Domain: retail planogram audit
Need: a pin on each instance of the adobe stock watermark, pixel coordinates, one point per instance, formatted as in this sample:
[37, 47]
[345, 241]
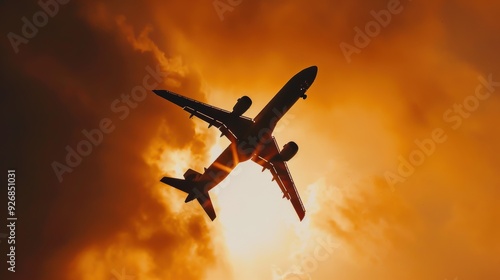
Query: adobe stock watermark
[363, 37]
[454, 117]
[284, 122]
[94, 137]
[308, 262]
[223, 6]
[30, 28]
[122, 275]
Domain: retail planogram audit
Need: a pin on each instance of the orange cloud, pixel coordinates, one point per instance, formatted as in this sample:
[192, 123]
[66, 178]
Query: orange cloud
[111, 217]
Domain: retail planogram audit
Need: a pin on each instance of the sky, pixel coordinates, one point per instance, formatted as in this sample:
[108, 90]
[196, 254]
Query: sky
[398, 139]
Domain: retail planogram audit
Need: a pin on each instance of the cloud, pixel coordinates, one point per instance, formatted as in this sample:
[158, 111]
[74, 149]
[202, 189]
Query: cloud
[111, 215]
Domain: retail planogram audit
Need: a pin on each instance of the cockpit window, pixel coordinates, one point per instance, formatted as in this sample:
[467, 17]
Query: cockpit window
[304, 86]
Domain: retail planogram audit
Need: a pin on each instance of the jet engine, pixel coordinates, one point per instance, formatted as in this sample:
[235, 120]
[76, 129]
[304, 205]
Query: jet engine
[289, 150]
[242, 105]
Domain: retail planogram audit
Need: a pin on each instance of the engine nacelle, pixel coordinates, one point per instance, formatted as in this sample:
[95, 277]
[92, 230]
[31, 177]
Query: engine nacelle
[289, 150]
[242, 105]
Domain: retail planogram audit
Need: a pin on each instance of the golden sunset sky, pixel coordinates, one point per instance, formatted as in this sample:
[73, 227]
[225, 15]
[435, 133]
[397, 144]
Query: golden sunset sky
[398, 139]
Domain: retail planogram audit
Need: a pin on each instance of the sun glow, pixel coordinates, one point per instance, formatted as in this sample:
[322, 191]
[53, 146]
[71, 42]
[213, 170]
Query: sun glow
[259, 228]
[251, 209]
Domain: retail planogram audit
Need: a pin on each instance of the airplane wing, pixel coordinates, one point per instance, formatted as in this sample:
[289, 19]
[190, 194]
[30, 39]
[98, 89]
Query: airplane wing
[230, 125]
[281, 175]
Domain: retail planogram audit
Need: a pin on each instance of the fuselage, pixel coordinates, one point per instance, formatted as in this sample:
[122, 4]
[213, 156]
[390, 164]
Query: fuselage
[260, 133]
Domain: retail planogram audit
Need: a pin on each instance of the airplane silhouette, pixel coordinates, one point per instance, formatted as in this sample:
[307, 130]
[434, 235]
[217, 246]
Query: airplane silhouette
[250, 139]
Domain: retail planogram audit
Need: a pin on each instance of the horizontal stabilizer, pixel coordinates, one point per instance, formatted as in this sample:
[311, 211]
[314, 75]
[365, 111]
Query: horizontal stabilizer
[179, 184]
[194, 190]
[206, 203]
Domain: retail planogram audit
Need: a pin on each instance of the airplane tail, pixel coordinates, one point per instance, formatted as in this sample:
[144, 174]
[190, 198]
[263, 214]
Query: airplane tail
[194, 189]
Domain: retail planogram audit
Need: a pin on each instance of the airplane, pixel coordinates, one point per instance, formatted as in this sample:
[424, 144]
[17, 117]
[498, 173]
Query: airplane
[250, 139]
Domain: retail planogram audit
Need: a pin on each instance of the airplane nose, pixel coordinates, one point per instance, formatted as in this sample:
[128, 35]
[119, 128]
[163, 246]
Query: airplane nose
[308, 73]
[313, 70]
[307, 77]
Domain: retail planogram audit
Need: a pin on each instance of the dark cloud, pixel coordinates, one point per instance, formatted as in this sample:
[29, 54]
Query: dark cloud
[63, 81]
